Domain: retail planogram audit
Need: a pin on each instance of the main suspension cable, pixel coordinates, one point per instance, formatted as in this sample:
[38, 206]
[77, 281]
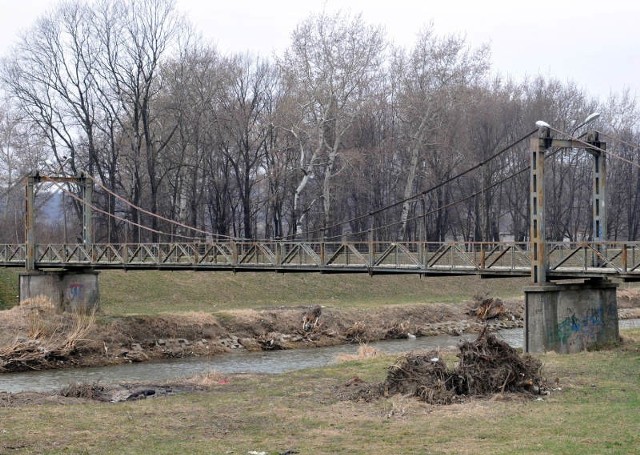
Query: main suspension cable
[428, 190]
[160, 217]
[112, 215]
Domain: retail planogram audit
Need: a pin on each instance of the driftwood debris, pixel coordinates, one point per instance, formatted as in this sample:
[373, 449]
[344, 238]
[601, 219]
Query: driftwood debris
[487, 366]
[424, 375]
[311, 318]
[485, 308]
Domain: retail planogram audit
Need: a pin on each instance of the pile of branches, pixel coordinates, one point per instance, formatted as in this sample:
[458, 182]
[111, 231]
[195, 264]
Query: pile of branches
[487, 366]
[424, 375]
[90, 391]
[485, 308]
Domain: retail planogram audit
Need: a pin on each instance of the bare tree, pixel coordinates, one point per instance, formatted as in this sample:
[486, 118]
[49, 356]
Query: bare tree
[141, 36]
[21, 152]
[430, 82]
[330, 65]
[244, 115]
[492, 124]
[280, 165]
[49, 76]
[86, 76]
[194, 82]
[623, 179]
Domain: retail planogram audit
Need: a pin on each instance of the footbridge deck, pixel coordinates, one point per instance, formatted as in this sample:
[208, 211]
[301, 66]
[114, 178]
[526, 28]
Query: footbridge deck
[567, 260]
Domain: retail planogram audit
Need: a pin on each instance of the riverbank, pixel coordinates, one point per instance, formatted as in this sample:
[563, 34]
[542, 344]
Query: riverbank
[591, 393]
[35, 337]
[161, 315]
[31, 335]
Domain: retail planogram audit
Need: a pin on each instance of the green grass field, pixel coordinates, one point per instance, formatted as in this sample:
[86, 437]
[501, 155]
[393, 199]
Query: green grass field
[153, 292]
[8, 288]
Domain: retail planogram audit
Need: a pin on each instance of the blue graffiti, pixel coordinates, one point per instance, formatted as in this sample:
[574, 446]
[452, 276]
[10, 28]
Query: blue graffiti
[568, 327]
[75, 291]
[583, 330]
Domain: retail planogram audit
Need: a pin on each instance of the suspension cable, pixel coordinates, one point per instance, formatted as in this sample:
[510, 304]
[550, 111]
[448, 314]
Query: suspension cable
[618, 139]
[112, 215]
[160, 217]
[456, 202]
[428, 190]
[446, 206]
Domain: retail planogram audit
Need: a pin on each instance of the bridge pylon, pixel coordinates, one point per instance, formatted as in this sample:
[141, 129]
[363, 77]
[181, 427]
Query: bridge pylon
[75, 290]
[567, 317]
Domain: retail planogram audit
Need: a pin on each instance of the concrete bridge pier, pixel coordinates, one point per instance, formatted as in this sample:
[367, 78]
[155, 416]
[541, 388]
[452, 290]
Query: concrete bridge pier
[75, 291]
[569, 318]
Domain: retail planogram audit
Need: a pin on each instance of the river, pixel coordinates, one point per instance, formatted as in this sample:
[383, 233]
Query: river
[271, 362]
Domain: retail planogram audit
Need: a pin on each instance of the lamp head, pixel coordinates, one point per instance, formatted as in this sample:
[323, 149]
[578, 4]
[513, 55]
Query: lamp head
[592, 117]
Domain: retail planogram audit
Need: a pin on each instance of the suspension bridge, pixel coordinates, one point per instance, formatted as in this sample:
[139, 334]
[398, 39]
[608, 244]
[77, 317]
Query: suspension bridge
[70, 270]
[541, 259]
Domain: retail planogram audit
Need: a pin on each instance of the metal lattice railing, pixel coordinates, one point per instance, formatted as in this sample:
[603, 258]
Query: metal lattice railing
[488, 258]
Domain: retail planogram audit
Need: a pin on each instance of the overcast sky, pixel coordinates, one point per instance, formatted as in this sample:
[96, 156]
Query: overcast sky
[596, 44]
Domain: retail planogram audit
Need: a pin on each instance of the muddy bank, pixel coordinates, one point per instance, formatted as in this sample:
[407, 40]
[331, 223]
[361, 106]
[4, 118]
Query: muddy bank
[82, 393]
[75, 393]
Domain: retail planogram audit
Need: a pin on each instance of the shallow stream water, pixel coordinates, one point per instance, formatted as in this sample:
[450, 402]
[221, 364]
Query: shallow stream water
[272, 362]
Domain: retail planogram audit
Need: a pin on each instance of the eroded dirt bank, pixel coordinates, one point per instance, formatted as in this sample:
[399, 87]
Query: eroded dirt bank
[36, 337]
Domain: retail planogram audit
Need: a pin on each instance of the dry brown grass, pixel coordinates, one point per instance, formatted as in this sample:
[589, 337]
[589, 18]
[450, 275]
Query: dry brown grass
[206, 379]
[35, 312]
[41, 334]
[78, 329]
[192, 317]
[364, 352]
[628, 297]
[26, 318]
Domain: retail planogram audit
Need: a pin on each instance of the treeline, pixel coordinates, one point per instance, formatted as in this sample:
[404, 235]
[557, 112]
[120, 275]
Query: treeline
[331, 139]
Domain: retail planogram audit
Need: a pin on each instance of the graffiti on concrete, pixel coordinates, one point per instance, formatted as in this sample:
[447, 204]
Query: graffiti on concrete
[75, 292]
[582, 331]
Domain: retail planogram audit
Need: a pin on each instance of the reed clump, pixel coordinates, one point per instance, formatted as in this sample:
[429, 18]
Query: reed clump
[43, 335]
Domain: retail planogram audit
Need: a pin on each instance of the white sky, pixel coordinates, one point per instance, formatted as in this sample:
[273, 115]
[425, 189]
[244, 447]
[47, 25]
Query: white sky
[596, 44]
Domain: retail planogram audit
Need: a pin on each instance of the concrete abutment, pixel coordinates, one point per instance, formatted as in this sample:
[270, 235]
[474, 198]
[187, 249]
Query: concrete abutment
[68, 290]
[569, 318]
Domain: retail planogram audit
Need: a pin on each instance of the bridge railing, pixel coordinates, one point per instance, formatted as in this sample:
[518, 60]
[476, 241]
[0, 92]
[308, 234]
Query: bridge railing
[464, 257]
[13, 253]
[280, 254]
[620, 257]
